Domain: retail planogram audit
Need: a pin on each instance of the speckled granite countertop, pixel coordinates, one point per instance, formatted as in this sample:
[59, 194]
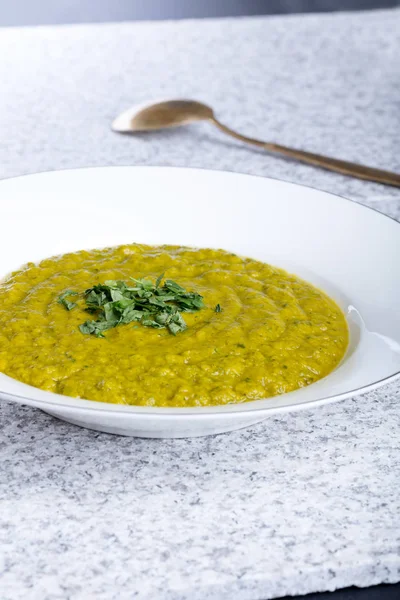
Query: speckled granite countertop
[303, 502]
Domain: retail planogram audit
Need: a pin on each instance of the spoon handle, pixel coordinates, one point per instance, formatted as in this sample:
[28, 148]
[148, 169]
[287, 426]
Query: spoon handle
[318, 160]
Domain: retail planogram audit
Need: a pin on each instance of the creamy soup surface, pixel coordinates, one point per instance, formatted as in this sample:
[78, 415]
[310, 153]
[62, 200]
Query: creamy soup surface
[261, 332]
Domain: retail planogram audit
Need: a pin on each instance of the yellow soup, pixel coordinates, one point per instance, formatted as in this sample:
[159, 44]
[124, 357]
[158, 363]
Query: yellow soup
[272, 333]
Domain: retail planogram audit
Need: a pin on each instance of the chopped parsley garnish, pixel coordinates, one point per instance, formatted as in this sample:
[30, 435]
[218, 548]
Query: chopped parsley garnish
[117, 302]
[218, 308]
[63, 299]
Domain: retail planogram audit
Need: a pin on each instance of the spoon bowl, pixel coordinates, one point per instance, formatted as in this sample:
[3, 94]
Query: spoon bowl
[162, 115]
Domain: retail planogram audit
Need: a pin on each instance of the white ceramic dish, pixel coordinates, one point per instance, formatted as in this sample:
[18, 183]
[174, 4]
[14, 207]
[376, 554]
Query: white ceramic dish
[350, 251]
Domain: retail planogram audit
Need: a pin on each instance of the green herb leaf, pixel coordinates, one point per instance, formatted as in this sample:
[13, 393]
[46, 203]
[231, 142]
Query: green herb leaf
[174, 287]
[176, 324]
[63, 299]
[96, 327]
[159, 280]
[149, 322]
[218, 308]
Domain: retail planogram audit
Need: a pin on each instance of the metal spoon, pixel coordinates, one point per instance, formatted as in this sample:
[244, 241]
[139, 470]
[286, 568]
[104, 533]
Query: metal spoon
[174, 113]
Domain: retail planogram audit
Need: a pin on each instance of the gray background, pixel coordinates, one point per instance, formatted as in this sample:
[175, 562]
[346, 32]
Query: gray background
[34, 12]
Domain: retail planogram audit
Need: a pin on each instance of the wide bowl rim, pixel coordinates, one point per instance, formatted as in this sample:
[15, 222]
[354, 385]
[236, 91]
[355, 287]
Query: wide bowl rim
[248, 408]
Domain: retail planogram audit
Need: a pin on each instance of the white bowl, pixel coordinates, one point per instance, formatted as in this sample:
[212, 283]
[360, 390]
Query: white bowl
[350, 251]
